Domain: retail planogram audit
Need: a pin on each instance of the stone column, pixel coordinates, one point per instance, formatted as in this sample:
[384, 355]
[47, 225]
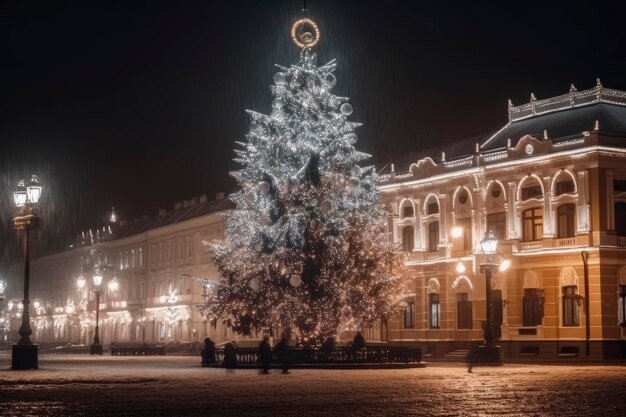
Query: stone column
[443, 224]
[610, 209]
[419, 227]
[548, 229]
[582, 183]
[479, 217]
[512, 214]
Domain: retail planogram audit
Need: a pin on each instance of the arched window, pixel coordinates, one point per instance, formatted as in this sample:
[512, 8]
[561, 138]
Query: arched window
[433, 236]
[407, 239]
[463, 196]
[532, 224]
[432, 207]
[571, 309]
[565, 186]
[407, 211]
[565, 220]
[434, 305]
[434, 308]
[531, 189]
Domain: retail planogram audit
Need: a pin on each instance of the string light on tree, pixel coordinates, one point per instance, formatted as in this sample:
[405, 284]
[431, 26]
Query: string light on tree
[305, 248]
[305, 33]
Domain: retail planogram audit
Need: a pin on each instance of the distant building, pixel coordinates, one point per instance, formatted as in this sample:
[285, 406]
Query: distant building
[149, 259]
[550, 184]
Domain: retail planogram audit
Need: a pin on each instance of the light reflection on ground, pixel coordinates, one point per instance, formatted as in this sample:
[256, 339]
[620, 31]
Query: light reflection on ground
[103, 386]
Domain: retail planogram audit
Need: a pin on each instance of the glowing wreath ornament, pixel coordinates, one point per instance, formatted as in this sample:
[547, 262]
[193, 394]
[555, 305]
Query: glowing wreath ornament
[305, 33]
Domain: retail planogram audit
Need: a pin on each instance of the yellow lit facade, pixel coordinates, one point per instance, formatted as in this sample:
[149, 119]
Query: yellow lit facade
[551, 184]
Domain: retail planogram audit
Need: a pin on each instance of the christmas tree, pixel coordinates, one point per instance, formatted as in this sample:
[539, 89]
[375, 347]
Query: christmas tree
[305, 248]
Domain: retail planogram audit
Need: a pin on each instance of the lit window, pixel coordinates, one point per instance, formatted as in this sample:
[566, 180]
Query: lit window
[407, 239]
[434, 310]
[571, 313]
[466, 225]
[565, 220]
[409, 315]
[532, 222]
[565, 187]
[496, 222]
[621, 306]
[532, 191]
[464, 311]
[532, 306]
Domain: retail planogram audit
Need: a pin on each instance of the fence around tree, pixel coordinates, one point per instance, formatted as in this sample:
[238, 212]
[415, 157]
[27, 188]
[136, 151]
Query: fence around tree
[339, 355]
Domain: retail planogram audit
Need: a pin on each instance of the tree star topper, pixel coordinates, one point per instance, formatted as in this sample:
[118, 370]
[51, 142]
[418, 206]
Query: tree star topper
[305, 33]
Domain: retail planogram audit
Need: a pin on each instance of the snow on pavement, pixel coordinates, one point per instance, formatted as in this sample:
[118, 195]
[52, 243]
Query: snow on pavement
[81, 385]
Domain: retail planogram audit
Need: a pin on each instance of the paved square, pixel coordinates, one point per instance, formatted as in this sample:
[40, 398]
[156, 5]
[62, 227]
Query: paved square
[79, 385]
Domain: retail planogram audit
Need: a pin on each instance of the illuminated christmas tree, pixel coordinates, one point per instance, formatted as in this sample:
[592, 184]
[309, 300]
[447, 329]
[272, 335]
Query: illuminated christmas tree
[305, 248]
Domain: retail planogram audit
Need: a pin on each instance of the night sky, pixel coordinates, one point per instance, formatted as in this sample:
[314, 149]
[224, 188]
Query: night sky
[138, 104]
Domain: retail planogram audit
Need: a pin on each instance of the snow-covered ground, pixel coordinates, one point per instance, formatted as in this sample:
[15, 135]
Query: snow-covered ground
[80, 385]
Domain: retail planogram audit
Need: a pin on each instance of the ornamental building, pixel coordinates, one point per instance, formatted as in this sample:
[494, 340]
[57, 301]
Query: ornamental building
[550, 184]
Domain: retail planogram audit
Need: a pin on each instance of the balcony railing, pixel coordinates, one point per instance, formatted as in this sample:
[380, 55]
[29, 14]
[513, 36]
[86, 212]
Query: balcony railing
[373, 354]
[621, 241]
[532, 245]
[568, 241]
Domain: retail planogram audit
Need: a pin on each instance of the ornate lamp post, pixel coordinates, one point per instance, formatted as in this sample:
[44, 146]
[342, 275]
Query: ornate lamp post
[26, 197]
[96, 347]
[489, 353]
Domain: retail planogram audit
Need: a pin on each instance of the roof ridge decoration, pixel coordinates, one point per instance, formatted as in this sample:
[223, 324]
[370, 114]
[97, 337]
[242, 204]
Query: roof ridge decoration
[573, 99]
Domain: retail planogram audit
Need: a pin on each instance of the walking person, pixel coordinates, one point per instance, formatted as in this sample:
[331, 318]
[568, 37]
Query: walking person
[473, 357]
[265, 354]
[358, 343]
[230, 356]
[208, 354]
[283, 353]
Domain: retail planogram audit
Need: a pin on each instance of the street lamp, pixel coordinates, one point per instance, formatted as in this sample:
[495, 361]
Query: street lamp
[489, 353]
[96, 347]
[24, 354]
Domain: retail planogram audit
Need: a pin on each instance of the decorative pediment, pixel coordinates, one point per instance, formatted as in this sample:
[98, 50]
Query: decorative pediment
[462, 284]
[433, 286]
[528, 145]
[531, 280]
[424, 167]
[568, 277]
